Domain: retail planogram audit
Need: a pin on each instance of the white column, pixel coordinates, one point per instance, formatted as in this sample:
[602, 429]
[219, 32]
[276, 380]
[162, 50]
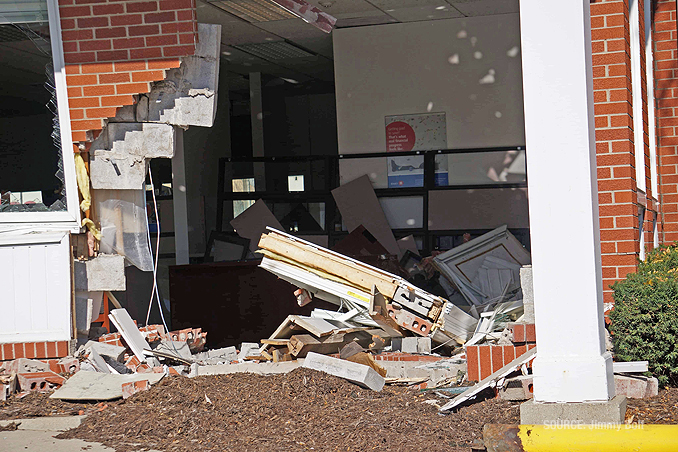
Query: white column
[257, 118]
[571, 363]
[179, 200]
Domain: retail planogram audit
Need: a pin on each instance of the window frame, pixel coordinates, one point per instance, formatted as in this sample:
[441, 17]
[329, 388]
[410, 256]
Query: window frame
[69, 219]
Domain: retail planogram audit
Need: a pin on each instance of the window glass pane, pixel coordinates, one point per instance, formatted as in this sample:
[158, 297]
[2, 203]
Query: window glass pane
[31, 166]
[245, 185]
[405, 212]
[480, 168]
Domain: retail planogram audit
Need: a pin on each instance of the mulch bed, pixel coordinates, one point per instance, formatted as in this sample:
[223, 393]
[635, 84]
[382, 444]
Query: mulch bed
[302, 410]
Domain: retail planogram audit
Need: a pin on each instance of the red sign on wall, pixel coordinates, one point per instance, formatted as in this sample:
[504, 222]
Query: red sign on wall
[400, 137]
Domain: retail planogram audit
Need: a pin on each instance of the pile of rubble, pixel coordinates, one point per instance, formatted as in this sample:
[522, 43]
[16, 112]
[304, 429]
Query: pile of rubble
[386, 329]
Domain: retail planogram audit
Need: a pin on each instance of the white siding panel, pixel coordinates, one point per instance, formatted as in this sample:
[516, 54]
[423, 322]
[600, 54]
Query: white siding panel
[35, 292]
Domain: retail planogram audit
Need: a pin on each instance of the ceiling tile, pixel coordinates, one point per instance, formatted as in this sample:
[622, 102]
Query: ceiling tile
[485, 7]
[386, 5]
[361, 21]
[335, 7]
[292, 29]
[233, 30]
[422, 13]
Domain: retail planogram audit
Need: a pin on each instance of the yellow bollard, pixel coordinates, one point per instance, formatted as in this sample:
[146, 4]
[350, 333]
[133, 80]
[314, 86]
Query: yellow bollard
[581, 438]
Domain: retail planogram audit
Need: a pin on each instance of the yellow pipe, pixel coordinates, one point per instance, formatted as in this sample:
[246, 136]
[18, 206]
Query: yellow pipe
[602, 437]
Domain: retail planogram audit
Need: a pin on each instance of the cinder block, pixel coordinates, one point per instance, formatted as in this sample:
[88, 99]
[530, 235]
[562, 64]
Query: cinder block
[424, 345]
[410, 345]
[359, 374]
[68, 365]
[39, 381]
[23, 365]
[518, 388]
[635, 387]
[106, 272]
[248, 349]
[132, 387]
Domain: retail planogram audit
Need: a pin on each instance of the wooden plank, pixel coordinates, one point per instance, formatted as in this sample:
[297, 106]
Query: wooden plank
[283, 342]
[317, 327]
[301, 344]
[361, 275]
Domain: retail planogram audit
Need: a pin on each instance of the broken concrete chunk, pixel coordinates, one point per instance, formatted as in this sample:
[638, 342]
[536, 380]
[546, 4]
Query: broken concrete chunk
[98, 386]
[188, 95]
[517, 389]
[132, 387]
[357, 373]
[424, 345]
[177, 348]
[113, 351]
[106, 272]
[96, 361]
[23, 365]
[248, 349]
[409, 345]
[635, 387]
[39, 381]
[129, 331]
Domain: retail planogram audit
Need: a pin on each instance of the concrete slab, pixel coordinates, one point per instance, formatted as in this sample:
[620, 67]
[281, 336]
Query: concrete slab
[357, 373]
[178, 348]
[98, 386]
[41, 441]
[250, 367]
[46, 423]
[612, 412]
[112, 351]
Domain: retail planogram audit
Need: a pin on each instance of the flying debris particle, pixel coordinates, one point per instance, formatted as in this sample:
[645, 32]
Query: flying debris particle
[513, 51]
[462, 34]
[477, 55]
[429, 107]
[497, 114]
[226, 53]
[487, 79]
[454, 59]
[473, 41]
[441, 8]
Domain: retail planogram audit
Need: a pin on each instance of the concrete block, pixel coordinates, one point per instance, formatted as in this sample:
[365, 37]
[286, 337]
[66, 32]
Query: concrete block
[23, 365]
[112, 351]
[98, 386]
[84, 305]
[188, 95]
[39, 381]
[116, 172]
[612, 411]
[178, 348]
[106, 272]
[248, 349]
[132, 387]
[635, 387]
[266, 368]
[226, 352]
[518, 388]
[68, 365]
[410, 345]
[528, 293]
[357, 373]
[141, 139]
[396, 344]
[424, 345]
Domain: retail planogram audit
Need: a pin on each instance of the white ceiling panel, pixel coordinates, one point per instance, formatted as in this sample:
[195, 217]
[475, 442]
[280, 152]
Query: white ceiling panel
[233, 30]
[485, 7]
[361, 21]
[421, 13]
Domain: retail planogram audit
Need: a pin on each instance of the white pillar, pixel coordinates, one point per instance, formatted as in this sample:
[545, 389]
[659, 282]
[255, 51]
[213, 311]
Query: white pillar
[179, 201]
[257, 118]
[572, 364]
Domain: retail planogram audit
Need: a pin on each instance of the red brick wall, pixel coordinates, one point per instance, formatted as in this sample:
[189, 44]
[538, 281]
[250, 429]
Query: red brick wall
[618, 195]
[115, 49]
[33, 350]
[666, 93]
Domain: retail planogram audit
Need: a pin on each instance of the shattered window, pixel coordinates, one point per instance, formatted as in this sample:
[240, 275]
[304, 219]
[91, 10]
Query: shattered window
[31, 164]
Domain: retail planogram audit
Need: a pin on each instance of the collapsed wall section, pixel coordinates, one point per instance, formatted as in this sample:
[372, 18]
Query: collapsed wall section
[115, 50]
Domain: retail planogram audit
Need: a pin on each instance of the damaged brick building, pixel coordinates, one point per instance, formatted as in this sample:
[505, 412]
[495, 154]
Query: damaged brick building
[140, 77]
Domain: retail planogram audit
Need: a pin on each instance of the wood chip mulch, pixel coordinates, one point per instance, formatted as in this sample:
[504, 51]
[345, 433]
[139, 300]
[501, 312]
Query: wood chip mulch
[302, 410]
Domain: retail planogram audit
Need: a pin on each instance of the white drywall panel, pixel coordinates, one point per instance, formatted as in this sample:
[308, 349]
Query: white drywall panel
[468, 68]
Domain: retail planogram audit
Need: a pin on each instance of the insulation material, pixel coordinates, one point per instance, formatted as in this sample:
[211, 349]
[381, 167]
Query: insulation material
[83, 182]
[124, 226]
[359, 205]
